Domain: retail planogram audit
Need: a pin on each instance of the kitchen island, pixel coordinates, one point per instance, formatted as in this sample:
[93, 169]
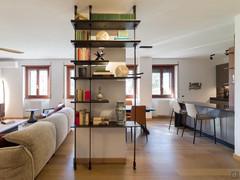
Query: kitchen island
[224, 122]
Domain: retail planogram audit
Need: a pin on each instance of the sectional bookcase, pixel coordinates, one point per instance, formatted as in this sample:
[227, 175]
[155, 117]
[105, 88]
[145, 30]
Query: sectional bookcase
[91, 25]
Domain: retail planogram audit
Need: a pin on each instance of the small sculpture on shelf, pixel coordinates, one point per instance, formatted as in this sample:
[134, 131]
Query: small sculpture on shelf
[121, 71]
[100, 55]
[120, 112]
[99, 94]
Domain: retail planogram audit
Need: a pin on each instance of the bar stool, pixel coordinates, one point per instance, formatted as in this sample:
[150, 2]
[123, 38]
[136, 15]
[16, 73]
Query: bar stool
[177, 109]
[192, 112]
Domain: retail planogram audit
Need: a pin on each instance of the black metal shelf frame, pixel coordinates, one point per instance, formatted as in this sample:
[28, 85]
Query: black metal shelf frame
[91, 25]
[105, 24]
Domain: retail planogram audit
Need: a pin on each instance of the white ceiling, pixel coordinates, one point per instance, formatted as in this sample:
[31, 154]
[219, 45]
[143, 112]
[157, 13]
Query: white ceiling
[176, 28]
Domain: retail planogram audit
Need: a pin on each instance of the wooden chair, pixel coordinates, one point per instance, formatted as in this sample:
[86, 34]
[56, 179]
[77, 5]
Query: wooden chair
[140, 118]
[192, 112]
[128, 102]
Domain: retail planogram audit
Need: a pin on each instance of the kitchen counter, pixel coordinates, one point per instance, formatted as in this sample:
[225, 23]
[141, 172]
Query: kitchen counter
[221, 99]
[224, 122]
[212, 106]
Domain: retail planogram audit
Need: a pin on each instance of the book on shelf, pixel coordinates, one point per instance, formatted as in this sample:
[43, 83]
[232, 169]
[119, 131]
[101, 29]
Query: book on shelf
[82, 35]
[82, 117]
[102, 73]
[83, 95]
[87, 96]
[82, 54]
[77, 121]
[100, 121]
[121, 38]
[104, 16]
[79, 95]
[122, 35]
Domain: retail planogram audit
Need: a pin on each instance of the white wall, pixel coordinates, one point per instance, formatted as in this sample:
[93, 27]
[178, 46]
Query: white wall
[14, 79]
[237, 85]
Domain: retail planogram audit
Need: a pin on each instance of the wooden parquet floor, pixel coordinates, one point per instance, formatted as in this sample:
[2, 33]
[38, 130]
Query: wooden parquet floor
[166, 156]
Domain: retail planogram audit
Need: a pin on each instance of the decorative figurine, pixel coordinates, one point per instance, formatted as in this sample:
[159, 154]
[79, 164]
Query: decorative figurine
[100, 55]
[99, 95]
[120, 112]
[121, 71]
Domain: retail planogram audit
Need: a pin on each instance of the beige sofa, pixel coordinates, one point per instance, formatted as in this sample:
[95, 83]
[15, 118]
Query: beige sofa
[36, 145]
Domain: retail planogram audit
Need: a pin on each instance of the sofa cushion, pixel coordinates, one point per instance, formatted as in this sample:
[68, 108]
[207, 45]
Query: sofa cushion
[39, 139]
[70, 116]
[16, 163]
[60, 122]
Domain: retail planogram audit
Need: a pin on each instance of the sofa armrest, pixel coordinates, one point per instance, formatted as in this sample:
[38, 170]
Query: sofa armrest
[16, 163]
[39, 139]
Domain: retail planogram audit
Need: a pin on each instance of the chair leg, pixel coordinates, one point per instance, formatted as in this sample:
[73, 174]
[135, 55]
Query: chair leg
[201, 129]
[195, 130]
[170, 120]
[214, 126]
[183, 130]
[184, 125]
[177, 130]
[146, 137]
[126, 134]
[131, 134]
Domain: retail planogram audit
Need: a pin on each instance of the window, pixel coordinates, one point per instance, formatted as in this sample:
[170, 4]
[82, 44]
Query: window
[70, 82]
[37, 82]
[130, 83]
[163, 81]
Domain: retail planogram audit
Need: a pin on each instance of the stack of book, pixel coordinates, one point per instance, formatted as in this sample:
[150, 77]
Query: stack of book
[100, 121]
[82, 118]
[122, 35]
[83, 95]
[97, 16]
[103, 73]
[82, 54]
[82, 35]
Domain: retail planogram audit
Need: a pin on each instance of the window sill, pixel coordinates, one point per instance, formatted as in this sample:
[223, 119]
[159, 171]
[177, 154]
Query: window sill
[37, 99]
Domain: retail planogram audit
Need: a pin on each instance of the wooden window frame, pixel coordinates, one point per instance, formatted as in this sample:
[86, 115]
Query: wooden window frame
[68, 79]
[172, 70]
[131, 67]
[37, 68]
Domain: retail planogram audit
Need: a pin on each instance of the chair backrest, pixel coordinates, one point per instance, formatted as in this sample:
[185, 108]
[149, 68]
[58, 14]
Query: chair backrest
[140, 114]
[176, 107]
[191, 110]
[171, 104]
